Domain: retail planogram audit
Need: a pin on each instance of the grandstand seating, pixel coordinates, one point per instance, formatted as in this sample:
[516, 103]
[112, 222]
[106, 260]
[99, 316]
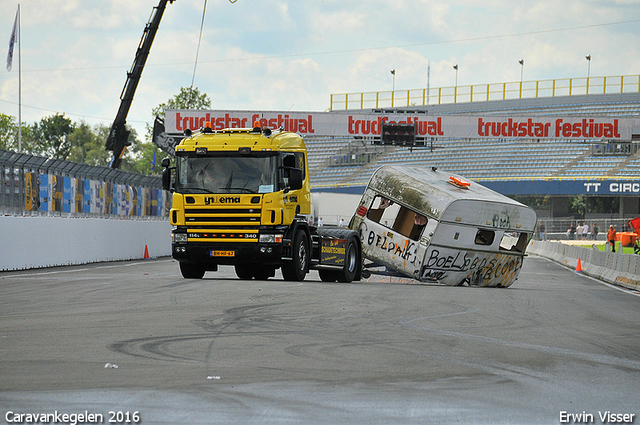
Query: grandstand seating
[490, 158]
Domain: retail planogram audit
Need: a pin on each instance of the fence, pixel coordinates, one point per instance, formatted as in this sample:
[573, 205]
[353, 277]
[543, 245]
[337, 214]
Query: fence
[486, 92]
[558, 228]
[33, 186]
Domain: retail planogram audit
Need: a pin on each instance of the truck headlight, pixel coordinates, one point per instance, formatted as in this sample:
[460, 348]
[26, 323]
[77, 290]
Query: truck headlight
[179, 237]
[270, 239]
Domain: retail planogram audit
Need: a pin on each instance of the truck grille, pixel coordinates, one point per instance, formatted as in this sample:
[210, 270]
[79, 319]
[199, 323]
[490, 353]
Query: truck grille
[222, 224]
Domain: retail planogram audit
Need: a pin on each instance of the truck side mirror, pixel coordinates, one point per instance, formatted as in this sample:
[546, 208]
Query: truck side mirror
[166, 178]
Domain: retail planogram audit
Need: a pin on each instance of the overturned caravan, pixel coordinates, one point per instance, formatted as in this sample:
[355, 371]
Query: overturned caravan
[437, 227]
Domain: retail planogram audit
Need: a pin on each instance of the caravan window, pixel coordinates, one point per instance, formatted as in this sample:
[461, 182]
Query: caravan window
[485, 237]
[513, 241]
[396, 217]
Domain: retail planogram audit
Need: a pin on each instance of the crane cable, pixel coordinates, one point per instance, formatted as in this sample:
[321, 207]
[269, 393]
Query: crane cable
[204, 10]
[195, 65]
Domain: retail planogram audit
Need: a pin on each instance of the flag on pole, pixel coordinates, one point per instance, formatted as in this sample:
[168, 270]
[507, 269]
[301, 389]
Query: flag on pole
[635, 223]
[12, 41]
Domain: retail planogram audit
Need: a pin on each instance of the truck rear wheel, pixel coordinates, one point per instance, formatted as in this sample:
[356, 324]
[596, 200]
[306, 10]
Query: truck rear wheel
[348, 272]
[191, 271]
[350, 269]
[299, 266]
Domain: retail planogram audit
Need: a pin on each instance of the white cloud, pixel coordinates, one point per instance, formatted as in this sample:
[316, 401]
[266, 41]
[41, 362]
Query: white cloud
[283, 54]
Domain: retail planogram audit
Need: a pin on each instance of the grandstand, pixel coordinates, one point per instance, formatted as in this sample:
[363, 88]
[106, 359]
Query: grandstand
[489, 159]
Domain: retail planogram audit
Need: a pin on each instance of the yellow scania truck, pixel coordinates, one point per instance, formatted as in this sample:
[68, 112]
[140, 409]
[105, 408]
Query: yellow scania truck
[240, 197]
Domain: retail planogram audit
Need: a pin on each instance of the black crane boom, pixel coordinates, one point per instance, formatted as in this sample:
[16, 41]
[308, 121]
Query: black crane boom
[118, 137]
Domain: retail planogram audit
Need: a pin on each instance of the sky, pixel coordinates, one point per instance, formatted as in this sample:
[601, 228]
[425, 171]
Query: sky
[292, 55]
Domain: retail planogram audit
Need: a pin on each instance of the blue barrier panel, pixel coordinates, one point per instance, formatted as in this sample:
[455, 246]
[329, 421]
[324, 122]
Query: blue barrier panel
[44, 192]
[32, 185]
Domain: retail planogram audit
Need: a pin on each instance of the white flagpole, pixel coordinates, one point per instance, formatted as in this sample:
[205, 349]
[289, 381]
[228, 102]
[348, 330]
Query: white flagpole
[19, 84]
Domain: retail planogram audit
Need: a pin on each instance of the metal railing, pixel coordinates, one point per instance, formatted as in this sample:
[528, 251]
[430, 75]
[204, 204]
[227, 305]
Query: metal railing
[486, 92]
[558, 228]
[32, 185]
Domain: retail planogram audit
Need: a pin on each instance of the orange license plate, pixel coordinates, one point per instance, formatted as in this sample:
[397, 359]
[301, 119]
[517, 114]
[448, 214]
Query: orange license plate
[223, 253]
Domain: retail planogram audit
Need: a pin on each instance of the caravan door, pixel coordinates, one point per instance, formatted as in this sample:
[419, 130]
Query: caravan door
[391, 235]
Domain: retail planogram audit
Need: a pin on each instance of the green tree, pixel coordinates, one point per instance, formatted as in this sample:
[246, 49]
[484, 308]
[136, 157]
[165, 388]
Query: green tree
[87, 145]
[579, 205]
[52, 136]
[8, 132]
[535, 202]
[9, 136]
[188, 98]
[141, 160]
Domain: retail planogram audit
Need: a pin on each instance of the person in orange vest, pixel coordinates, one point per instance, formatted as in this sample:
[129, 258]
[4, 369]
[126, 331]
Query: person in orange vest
[611, 237]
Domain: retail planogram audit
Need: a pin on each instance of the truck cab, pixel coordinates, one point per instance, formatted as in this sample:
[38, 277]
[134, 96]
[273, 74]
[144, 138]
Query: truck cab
[437, 227]
[240, 197]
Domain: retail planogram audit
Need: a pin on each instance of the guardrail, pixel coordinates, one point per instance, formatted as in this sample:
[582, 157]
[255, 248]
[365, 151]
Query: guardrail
[486, 92]
[615, 268]
[32, 185]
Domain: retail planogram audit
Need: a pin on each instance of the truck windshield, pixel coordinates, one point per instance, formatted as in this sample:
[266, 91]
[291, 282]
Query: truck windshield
[226, 174]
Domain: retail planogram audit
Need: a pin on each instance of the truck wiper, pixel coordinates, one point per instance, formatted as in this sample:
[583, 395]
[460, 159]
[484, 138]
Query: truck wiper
[199, 188]
[238, 188]
[243, 188]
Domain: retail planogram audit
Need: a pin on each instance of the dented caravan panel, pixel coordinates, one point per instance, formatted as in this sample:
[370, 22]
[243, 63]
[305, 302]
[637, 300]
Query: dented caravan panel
[420, 223]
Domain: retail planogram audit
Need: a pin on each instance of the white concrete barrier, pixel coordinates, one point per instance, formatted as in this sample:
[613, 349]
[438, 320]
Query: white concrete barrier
[32, 242]
[615, 268]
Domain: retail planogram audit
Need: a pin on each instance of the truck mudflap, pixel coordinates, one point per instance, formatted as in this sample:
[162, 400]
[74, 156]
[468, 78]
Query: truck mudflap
[340, 256]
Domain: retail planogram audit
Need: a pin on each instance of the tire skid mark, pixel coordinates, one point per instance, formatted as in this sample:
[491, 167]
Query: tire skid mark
[234, 322]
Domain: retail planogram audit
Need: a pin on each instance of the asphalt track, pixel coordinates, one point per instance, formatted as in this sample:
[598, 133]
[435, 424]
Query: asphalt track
[135, 338]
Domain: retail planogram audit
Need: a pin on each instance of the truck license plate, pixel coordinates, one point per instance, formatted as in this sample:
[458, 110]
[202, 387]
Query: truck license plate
[223, 253]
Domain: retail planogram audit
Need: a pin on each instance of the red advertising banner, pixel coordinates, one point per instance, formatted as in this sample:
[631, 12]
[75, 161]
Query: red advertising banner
[428, 126]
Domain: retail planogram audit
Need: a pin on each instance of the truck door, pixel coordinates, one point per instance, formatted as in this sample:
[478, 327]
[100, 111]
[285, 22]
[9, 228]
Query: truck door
[291, 198]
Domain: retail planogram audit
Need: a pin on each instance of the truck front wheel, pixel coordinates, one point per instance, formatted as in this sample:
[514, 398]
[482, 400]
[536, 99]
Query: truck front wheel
[191, 271]
[299, 266]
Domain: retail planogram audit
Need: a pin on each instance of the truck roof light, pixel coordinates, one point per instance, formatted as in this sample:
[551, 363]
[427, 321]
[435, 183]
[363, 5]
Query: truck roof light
[257, 127]
[207, 127]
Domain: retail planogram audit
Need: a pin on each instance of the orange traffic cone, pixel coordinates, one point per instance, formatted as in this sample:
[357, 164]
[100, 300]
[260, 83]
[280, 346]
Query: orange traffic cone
[579, 267]
[146, 253]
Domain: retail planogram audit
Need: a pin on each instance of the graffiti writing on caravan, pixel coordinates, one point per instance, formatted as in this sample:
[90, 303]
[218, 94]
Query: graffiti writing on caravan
[194, 122]
[531, 128]
[404, 249]
[423, 128]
